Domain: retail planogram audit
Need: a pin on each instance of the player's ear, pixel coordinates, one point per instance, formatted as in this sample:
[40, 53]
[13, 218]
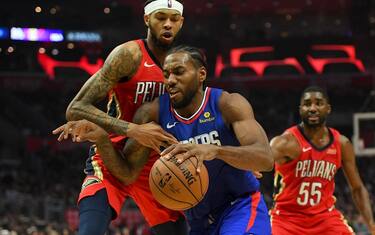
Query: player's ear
[329, 109]
[146, 19]
[202, 74]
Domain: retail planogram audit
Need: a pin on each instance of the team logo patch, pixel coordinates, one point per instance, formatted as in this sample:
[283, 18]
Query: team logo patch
[207, 118]
[331, 151]
[89, 181]
[170, 3]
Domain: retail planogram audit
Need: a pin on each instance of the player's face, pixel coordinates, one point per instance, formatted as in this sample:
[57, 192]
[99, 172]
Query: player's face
[314, 109]
[164, 26]
[182, 79]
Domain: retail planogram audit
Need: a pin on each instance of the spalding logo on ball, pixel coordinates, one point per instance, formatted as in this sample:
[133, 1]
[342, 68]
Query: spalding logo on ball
[178, 186]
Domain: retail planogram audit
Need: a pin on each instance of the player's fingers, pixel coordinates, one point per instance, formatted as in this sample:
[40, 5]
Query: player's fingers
[183, 156]
[156, 147]
[179, 148]
[165, 152]
[199, 165]
[59, 129]
[257, 174]
[68, 130]
[166, 137]
[61, 136]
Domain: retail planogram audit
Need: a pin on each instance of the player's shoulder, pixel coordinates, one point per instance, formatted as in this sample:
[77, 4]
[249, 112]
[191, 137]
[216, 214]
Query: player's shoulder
[234, 106]
[131, 47]
[232, 101]
[344, 141]
[287, 144]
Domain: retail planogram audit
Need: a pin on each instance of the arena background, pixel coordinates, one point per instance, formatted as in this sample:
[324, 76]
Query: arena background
[267, 50]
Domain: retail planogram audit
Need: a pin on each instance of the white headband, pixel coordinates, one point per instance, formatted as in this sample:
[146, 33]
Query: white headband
[163, 4]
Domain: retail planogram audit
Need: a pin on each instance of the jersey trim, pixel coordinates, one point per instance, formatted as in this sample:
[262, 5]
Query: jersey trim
[320, 149]
[152, 56]
[197, 113]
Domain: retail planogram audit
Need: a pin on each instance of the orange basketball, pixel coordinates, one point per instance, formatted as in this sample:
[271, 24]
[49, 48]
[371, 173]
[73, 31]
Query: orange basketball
[178, 186]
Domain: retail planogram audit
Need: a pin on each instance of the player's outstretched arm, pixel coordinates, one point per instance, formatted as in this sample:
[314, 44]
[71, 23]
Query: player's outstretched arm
[359, 192]
[122, 62]
[254, 153]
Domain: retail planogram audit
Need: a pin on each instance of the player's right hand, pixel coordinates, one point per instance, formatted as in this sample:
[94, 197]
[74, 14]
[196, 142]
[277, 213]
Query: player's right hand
[80, 131]
[151, 135]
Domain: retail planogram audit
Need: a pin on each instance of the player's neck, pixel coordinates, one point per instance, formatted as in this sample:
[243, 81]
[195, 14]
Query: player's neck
[159, 53]
[316, 134]
[193, 107]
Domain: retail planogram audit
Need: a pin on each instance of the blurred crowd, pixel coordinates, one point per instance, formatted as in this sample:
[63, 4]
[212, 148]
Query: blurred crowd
[40, 178]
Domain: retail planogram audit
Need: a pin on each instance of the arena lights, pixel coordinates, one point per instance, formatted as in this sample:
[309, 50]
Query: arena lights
[4, 33]
[37, 35]
[80, 36]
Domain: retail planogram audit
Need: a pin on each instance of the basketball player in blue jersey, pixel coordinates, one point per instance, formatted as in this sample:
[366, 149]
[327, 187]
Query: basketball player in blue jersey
[218, 128]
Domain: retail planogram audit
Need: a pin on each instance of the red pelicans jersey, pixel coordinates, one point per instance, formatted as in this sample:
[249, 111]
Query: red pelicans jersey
[306, 184]
[147, 83]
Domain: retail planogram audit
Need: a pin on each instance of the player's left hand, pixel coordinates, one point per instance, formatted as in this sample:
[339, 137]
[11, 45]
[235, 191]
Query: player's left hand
[372, 229]
[80, 131]
[203, 152]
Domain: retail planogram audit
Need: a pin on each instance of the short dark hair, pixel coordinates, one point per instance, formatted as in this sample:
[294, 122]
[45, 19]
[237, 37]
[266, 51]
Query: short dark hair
[195, 53]
[315, 89]
[148, 1]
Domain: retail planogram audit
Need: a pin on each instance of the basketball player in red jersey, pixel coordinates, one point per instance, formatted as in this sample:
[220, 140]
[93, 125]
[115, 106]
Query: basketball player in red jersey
[307, 158]
[131, 75]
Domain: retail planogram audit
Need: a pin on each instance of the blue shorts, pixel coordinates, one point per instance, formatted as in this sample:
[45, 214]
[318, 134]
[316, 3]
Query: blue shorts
[247, 215]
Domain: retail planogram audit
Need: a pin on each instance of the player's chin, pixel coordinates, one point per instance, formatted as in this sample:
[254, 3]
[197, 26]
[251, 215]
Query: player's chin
[166, 40]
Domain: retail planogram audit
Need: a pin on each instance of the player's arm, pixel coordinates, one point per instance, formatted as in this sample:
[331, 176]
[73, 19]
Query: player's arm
[124, 165]
[122, 62]
[284, 148]
[359, 192]
[127, 165]
[253, 154]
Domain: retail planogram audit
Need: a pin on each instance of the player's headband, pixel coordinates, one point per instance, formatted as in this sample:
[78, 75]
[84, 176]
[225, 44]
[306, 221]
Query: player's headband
[163, 4]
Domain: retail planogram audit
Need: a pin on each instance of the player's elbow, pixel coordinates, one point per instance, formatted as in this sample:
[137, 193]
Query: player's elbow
[128, 178]
[268, 161]
[71, 113]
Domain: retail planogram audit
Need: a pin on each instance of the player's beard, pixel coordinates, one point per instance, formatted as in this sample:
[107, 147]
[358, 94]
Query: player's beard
[159, 44]
[308, 124]
[187, 97]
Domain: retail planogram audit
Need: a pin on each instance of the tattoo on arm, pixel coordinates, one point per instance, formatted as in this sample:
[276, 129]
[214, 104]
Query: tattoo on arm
[123, 61]
[127, 166]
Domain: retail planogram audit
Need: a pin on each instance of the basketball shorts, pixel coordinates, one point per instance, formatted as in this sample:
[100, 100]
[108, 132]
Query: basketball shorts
[98, 177]
[331, 222]
[247, 215]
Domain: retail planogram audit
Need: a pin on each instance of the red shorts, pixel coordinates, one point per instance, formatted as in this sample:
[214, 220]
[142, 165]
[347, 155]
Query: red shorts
[328, 223]
[117, 192]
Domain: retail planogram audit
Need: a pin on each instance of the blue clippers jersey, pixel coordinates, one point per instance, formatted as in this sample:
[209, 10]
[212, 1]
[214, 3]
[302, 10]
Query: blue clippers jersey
[206, 126]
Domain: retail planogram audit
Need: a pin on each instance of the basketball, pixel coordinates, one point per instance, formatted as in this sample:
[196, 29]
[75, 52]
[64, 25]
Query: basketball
[178, 186]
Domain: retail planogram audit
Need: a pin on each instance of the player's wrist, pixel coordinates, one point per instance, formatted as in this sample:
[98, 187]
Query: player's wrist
[131, 130]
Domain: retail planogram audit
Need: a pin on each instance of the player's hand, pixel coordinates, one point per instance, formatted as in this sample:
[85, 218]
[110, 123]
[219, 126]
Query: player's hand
[258, 174]
[203, 152]
[372, 229]
[152, 136]
[80, 131]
